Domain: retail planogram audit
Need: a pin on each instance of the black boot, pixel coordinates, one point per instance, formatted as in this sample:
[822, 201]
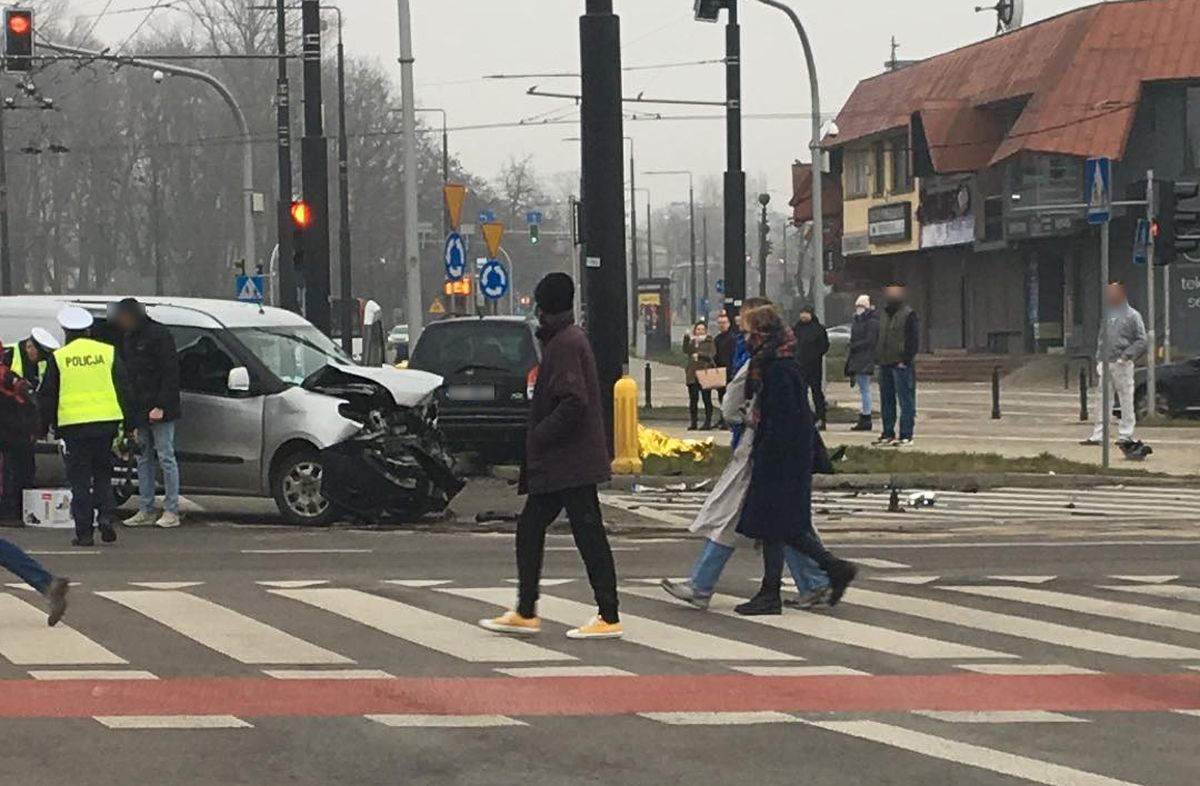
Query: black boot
[863, 424]
[762, 604]
[840, 573]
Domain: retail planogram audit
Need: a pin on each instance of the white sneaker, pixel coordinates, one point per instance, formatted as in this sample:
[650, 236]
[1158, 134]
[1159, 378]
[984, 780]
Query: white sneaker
[143, 518]
[167, 520]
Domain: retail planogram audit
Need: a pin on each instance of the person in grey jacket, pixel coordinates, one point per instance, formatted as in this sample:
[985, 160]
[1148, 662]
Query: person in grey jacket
[1126, 342]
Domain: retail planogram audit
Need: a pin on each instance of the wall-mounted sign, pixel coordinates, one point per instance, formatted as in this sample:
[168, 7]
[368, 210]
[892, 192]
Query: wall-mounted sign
[855, 244]
[947, 213]
[890, 223]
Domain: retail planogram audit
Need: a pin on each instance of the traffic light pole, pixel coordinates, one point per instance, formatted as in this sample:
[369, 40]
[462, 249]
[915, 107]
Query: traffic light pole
[314, 156]
[284, 267]
[345, 266]
[414, 302]
[1151, 316]
[1105, 368]
[6, 280]
[735, 178]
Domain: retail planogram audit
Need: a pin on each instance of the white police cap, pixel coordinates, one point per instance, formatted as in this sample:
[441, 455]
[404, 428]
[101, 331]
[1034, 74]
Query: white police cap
[45, 339]
[75, 318]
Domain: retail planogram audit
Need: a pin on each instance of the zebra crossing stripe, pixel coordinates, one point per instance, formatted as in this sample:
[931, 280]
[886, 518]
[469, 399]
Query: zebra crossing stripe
[26, 641]
[1020, 627]
[1083, 604]
[1000, 716]
[222, 629]
[423, 628]
[841, 631]
[643, 631]
[1032, 770]
[1168, 591]
[173, 722]
[445, 721]
[719, 718]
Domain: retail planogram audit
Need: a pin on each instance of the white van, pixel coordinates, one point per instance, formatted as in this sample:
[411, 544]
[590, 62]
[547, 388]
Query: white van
[273, 408]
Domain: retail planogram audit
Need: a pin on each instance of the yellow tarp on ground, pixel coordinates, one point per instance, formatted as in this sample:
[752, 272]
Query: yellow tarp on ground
[657, 443]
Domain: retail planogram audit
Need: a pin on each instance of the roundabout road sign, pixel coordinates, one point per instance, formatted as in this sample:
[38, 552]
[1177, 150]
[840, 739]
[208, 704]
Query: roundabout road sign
[456, 257]
[493, 280]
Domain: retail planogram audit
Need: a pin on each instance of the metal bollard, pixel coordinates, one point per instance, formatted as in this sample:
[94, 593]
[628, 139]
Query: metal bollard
[626, 454]
[995, 393]
[1067, 375]
[1083, 395]
[649, 383]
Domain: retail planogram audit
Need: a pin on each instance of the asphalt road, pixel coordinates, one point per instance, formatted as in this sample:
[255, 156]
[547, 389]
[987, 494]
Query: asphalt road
[350, 657]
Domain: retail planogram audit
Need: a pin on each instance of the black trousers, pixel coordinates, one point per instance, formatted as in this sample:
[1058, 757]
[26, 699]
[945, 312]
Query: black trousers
[695, 393]
[808, 544]
[89, 471]
[587, 525]
[19, 469]
[819, 404]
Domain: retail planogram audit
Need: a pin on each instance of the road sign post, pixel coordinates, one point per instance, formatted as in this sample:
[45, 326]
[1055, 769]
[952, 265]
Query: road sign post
[1151, 316]
[1098, 184]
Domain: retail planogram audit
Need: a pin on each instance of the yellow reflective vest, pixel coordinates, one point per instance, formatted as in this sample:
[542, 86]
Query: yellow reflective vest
[87, 391]
[18, 362]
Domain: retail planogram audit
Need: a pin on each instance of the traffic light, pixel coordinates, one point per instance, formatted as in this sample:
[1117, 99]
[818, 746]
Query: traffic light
[708, 10]
[1178, 222]
[302, 215]
[18, 39]
[767, 247]
[535, 234]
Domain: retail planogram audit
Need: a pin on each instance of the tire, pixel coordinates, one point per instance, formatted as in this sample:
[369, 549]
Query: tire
[295, 485]
[1162, 407]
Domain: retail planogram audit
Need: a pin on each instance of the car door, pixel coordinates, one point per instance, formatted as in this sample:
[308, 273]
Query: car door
[219, 437]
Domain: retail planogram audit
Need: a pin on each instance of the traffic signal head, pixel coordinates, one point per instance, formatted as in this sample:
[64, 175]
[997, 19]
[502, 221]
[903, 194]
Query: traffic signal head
[1178, 225]
[708, 10]
[301, 214]
[18, 39]
[535, 234]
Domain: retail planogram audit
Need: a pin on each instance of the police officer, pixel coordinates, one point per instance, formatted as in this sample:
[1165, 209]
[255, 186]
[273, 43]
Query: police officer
[27, 359]
[81, 397]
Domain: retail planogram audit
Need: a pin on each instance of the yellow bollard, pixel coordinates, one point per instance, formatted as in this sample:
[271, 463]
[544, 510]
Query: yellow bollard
[627, 458]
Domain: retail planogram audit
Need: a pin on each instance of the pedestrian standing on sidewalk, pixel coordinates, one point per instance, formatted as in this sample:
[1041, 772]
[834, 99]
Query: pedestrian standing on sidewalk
[778, 506]
[812, 345]
[899, 340]
[566, 457]
[27, 360]
[82, 398]
[1126, 343]
[726, 344]
[148, 351]
[860, 364]
[701, 351]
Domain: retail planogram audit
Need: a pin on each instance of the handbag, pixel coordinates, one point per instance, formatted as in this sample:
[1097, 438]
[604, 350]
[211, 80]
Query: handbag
[711, 378]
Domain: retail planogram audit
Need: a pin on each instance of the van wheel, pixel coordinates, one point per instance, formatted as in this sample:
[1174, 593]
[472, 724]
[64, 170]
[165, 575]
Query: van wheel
[296, 486]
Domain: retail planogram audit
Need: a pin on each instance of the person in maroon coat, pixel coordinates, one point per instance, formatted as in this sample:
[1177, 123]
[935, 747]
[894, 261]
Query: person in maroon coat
[566, 457]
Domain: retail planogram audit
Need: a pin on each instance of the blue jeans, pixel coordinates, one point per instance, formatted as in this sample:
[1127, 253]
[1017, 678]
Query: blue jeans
[14, 558]
[863, 381]
[898, 386]
[714, 557]
[157, 440]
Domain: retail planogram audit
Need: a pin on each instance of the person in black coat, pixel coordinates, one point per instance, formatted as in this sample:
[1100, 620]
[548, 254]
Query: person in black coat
[152, 364]
[778, 506]
[726, 342]
[812, 344]
[860, 364]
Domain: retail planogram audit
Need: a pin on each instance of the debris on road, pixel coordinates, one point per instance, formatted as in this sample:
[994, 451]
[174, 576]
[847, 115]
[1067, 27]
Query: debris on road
[922, 499]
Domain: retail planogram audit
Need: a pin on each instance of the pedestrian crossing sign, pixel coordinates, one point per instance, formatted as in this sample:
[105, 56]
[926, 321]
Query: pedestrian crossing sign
[249, 289]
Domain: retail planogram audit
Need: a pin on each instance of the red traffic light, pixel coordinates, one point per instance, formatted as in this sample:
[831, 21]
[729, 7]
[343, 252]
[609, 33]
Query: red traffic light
[301, 214]
[20, 23]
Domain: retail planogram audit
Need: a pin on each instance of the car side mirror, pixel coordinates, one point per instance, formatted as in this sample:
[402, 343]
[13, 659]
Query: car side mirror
[239, 380]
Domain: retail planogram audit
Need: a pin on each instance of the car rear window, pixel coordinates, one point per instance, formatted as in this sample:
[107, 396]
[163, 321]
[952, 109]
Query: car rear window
[453, 347]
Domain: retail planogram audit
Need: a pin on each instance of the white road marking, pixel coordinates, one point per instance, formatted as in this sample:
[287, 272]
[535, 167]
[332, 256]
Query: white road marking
[92, 674]
[307, 551]
[1146, 579]
[1024, 669]
[173, 722]
[74, 553]
[572, 548]
[718, 718]
[546, 582]
[445, 721]
[840, 631]
[800, 671]
[222, 629]
[416, 583]
[883, 564]
[20, 585]
[914, 580]
[25, 640]
[661, 636]
[1021, 627]
[166, 585]
[292, 583]
[1083, 604]
[1011, 544]
[1033, 770]
[328, 674]
[424, 628]
[1169, 591]
[1193, 713]
[566, 671]
[1024, 579]
[1000, 716]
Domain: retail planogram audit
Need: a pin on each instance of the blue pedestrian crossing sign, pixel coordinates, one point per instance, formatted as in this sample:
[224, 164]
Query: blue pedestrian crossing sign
[493, 280]
[1098, 184]
[456, 257]
[1141, 242]
[249, 289]
[720, 286]
[534, 218]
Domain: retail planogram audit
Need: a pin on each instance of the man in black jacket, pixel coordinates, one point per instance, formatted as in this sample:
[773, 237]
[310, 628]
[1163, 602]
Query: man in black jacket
[899, 340]
[726, 342]
[812, 344]
[148, 351]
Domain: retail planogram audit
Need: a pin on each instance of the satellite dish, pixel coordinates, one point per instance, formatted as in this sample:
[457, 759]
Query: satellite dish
[1009, 14]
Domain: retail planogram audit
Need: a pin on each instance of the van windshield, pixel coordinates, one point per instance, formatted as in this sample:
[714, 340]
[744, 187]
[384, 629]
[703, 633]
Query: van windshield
[292, 353]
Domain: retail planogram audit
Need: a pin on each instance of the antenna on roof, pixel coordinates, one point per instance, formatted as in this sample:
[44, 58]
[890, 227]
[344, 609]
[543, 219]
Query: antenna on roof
[1009, 14]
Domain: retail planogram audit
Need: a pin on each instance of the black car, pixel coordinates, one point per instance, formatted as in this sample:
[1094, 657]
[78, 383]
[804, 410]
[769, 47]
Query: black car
[490, 366]
[1177, 389]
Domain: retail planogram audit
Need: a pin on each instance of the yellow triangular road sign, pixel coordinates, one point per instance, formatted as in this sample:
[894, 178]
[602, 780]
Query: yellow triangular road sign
[455, 194]
[493, 234]
[436, 308]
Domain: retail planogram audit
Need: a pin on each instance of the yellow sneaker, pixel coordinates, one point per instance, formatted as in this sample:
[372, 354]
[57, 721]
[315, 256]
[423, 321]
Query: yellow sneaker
[597, 628]
[512, 622]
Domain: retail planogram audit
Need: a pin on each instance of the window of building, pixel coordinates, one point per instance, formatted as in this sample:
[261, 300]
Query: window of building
[902, 181]
[1192, 162]
[880, 186]
[858, 174]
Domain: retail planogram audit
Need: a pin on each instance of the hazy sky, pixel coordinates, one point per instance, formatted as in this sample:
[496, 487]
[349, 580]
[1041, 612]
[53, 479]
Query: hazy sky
[459, 41]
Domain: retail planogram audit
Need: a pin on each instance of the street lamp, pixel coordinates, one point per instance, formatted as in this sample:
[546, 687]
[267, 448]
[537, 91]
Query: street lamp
[649, 233]
[764, 231]
[692, 229]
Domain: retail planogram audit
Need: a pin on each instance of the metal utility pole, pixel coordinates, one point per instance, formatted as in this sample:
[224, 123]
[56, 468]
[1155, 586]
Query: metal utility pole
[604, 195]
[314, 165]
[1105, 373]
[445, 163]
[283, 139]
[764, 230]
[634, 273]
[704, 250]
[414, 309]
[344, 259]
[735, 178]
[1167, 315]
[692, 232]
[6, 280]
[1151, 316]
[649, 235]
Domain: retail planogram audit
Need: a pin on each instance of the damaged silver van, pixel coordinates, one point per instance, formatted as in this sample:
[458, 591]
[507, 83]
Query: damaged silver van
[273, 408]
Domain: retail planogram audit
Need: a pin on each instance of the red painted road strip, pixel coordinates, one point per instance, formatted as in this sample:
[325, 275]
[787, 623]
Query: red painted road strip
[593, 696]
